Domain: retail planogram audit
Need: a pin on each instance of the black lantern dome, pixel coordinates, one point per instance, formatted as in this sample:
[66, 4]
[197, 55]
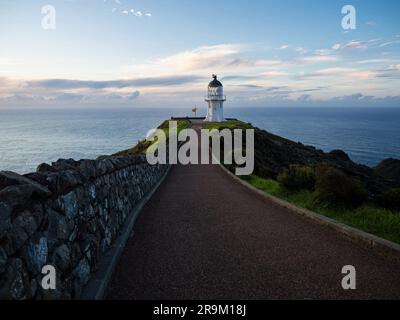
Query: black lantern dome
[215, 83]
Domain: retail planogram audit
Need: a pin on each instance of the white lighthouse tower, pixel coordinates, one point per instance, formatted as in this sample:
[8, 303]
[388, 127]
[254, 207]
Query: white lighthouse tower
[215, 99]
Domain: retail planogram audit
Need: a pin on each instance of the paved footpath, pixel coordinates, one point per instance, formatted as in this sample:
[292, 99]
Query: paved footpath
[205, 236]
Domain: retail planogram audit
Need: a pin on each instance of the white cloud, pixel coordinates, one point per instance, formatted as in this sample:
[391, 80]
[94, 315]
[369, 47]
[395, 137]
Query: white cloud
[356, 45]
[301, 50]
[389, 43]
[319, 58]
[274, 74]
[223, 58]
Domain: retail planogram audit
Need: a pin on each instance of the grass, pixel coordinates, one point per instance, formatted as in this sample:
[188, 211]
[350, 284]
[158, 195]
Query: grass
[231, 124]
[378, 221]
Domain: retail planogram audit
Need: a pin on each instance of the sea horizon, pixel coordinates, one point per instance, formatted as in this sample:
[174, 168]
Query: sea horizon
[44, 135]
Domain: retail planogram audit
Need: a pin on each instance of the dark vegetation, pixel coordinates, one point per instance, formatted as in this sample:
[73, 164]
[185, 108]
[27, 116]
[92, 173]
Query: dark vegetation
[297, 178]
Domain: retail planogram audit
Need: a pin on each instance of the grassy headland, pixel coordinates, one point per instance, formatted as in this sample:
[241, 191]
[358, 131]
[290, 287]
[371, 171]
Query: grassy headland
[143, 145]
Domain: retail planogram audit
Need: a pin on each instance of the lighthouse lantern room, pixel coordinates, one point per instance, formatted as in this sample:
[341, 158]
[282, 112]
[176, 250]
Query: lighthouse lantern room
[215, 99]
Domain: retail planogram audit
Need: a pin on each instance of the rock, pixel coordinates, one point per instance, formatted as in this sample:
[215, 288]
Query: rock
[44, 167]
[3, 260]
[389, 169]
[5, 218]
[65, 164]
[62, 257]
[70, 179]
[17, 196]
[22, 228]
[25, 221]
[92, 191]
[38, 213]
[101, 167]
[63, 181]
[70, 205]
[73, 234]
[16, 284]
[76, 253]
[8, 178]
[88, 169]
[59, 228]
[36, 254]
[82, 276]
[40, 178]
[34, 287]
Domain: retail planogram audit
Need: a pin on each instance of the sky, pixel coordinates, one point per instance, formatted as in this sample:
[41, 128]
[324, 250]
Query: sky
[158, 53]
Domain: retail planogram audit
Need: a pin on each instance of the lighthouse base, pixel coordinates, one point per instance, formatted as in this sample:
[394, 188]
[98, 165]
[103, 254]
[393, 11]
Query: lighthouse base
[215, 112]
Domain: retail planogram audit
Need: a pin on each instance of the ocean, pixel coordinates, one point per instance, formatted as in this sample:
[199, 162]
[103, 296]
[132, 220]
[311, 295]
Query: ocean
[32, 136]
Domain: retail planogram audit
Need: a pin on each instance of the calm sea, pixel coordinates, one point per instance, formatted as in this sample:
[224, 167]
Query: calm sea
[30, 137]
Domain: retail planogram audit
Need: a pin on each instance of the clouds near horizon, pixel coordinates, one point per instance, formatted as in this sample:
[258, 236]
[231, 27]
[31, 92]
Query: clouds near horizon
[160, 61]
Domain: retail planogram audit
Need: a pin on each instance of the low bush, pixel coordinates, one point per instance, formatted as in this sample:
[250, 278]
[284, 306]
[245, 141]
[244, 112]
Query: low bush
[338, 189]
[298, 177]
[390, 199]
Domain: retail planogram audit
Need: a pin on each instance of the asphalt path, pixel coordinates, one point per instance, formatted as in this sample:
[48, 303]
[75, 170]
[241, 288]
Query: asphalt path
[205, 236]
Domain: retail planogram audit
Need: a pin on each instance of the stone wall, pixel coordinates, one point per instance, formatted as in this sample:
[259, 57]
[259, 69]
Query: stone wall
[66, 215]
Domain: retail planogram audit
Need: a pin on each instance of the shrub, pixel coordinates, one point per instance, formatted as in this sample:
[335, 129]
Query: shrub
[390, 199]
[298, 177]
[336, 188]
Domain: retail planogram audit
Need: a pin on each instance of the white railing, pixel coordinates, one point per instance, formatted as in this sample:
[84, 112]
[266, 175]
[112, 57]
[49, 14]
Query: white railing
[215, 97]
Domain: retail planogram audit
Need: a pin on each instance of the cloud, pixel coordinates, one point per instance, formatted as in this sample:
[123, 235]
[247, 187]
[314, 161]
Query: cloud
[68, 98]
[389, 43]
[375, 61]
[276, 98]
[223, 58]
[391, 72]
[339, 73]
[356, 45]
[113, 84]
[248, 73]
[319, 58]
[301, 50]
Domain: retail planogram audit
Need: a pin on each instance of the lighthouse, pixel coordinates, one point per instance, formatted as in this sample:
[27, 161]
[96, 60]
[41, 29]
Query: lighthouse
[215, 99]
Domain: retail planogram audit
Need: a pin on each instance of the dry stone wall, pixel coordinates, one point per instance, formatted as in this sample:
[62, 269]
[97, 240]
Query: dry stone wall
[66, 215]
